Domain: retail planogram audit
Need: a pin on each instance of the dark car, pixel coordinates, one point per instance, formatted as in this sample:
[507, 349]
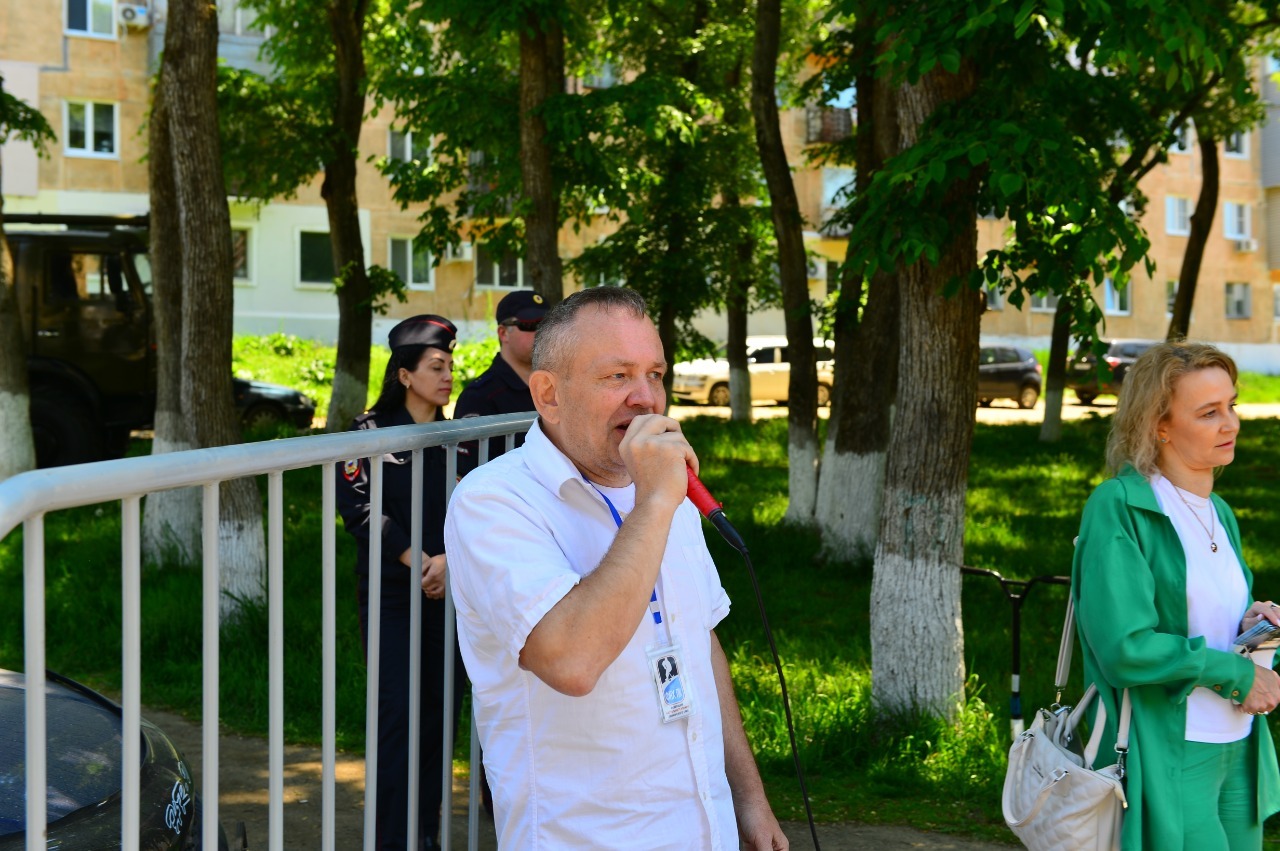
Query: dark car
[1082, 371]
[84, 747]
[1008, 372]
[261, 404]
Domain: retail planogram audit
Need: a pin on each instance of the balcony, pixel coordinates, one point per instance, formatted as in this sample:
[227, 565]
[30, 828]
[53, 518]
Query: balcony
[827, 124]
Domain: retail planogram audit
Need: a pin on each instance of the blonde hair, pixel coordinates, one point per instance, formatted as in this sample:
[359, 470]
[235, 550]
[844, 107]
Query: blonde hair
[1145, 397]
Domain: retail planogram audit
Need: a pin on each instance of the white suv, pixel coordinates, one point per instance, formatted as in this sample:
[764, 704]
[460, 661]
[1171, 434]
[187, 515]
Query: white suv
[706, 381]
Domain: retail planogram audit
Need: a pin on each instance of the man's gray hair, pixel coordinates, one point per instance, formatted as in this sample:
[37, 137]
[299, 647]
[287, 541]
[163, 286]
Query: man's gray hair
[557, 335]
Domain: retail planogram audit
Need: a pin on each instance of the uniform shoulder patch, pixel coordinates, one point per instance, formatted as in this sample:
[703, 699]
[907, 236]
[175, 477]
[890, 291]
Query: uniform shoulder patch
[351, 469]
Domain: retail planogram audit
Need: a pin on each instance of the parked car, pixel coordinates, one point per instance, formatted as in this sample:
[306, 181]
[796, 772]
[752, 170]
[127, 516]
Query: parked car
[1082, 370]
[706, 381]
[1008, 372]
[261, 404]
[84, 747]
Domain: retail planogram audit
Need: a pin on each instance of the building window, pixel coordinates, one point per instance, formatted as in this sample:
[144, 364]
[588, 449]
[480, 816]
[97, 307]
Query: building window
[1181, 140]
[315, 258]
[1275, 302]
[1170, 295]
[90, 129]
[234, 19]
[1116, 300]
[1044, 303]
[995, 298]
[1177, 216]
[412, 263]
[409, 147]
[92, 17]
[1236, 145]
[1236, 221]
[1238, 303]
[240, 253]
[498, 270]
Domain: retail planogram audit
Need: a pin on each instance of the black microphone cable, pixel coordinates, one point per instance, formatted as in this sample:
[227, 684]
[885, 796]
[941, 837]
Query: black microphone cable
[712, 510]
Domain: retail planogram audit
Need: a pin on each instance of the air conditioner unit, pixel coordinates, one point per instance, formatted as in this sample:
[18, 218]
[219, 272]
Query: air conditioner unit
[817, 268]
[1246, 245]
[131, 15]
[460, 253]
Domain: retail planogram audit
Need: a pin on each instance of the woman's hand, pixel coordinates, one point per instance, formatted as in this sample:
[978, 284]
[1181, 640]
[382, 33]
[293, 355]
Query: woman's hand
[433, 576]
[1258, 612]
[1265, 694]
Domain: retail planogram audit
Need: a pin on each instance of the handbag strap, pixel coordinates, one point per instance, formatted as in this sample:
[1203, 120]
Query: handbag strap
[1064, 651]
[1060, 684]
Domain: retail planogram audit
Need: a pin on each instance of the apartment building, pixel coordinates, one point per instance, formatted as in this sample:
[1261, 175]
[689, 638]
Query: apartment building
[1237, 302]
[86, 65]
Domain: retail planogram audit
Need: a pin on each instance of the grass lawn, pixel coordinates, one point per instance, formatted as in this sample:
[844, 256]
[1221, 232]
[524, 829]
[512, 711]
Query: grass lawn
[1023, 510]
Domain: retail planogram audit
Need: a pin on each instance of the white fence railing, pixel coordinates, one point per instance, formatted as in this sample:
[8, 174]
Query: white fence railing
[26, 498]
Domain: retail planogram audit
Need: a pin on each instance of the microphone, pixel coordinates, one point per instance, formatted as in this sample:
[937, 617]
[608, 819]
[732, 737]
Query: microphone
[713, 511]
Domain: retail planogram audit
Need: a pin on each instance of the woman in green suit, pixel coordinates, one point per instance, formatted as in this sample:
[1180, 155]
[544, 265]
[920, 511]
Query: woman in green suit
[1161, 591]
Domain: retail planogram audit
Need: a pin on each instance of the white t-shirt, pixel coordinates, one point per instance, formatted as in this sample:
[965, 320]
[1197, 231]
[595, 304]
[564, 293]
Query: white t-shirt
[603, 770]
[1217, 597]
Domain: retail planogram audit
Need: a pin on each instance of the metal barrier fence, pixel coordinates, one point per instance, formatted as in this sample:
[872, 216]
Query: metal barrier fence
[26, 498]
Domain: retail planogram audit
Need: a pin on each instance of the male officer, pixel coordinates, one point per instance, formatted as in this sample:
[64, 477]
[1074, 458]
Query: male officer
[504, 386]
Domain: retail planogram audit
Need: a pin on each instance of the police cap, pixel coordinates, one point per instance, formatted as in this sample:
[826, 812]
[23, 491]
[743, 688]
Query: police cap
[426, 329]
[524, 305]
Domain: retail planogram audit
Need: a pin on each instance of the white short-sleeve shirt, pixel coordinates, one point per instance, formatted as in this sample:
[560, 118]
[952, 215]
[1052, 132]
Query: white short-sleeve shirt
[601, 770]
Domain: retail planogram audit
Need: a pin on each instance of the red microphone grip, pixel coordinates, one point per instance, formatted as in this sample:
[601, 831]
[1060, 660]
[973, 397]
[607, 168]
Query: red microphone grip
[700, 496]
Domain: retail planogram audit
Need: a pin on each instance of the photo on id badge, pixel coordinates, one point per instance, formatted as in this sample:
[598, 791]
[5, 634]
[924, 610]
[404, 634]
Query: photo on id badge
[674, 698]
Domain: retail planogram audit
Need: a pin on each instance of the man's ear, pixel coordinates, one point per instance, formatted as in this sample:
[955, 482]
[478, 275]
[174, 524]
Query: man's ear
[542, 386]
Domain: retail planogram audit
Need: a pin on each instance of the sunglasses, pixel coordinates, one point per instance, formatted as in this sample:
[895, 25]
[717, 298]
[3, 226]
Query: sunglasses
[529, 325]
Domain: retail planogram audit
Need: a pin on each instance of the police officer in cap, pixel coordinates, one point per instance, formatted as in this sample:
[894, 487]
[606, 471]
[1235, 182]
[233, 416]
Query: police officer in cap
[415, 389]
[504, 386]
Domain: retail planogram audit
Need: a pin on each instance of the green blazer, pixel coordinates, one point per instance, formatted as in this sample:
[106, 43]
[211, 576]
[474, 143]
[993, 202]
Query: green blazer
[1129, 579]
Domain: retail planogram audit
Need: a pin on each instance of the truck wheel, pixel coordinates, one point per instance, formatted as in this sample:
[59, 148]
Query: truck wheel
[719, 395]
[64, 429]
[824, 396]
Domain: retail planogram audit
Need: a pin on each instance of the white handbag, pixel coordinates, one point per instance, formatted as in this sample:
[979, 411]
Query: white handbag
[1053, 798]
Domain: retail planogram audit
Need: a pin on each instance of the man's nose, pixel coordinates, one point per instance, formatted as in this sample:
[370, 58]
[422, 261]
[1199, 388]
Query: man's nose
[642, 395]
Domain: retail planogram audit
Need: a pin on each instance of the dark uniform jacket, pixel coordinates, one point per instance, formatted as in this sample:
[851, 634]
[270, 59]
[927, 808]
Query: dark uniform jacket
[354, 501]
[498, 391]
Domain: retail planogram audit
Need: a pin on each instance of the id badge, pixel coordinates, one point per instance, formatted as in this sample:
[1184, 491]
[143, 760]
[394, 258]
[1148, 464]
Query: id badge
[675, 698]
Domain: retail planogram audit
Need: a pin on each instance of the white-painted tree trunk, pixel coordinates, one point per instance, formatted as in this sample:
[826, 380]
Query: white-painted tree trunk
[17, 451]
[242, 554]
[171, 520]
[802, 482]
[917, 638]
[350, 396]
[850, 495]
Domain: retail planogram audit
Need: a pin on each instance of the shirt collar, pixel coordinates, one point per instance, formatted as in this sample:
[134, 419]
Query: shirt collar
[551, 467]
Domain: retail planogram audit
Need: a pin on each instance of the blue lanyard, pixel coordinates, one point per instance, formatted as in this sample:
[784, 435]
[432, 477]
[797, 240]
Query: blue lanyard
[655, 607]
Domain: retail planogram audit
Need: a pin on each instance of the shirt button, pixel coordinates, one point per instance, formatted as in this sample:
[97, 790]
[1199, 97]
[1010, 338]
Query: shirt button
[1235, 693]
[695, 737]
[1217, 688]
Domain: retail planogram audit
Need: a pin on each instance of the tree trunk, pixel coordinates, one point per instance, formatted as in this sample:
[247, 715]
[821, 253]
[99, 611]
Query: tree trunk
[921, 546]
[171, 524]
[738, 291]
[17, 450]
[851, 487]
[802, 386]
[541, 77]
[1201, 225]
[355, 295]
[1055, 380]
[667, 335]
[189, 81]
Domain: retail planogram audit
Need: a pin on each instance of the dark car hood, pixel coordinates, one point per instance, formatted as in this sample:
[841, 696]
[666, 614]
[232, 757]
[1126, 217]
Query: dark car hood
[84, 750]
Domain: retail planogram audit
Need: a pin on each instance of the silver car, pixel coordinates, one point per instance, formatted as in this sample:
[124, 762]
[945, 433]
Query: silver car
[706, 381]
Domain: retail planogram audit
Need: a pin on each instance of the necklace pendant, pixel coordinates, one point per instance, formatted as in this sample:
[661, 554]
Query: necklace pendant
[1213, 547]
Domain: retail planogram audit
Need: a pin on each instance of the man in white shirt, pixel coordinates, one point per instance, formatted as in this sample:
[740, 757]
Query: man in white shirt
[587, 602]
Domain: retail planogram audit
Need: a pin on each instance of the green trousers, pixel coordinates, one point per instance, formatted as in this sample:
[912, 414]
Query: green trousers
[1219, 797]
